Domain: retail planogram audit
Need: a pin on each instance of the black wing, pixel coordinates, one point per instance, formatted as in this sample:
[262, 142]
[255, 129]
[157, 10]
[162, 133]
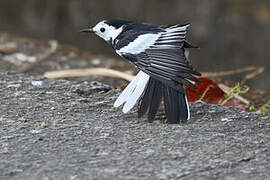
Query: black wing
[165, 59]
[132, 30]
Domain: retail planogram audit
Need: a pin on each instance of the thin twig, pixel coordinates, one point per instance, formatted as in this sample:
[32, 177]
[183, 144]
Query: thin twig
[88, 72]
[6, 49]
[53, 46]
[227, 90]
[205, 91]
[118, 74]
[258, 70]
[230, 96]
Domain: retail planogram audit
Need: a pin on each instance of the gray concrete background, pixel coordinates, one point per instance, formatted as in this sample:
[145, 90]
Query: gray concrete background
[58, 129]
[231, 33]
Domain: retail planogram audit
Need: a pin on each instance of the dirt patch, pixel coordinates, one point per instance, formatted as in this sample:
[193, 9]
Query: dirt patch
[59, 129]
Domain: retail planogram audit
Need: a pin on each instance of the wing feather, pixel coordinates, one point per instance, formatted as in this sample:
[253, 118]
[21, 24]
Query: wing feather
[164, 57]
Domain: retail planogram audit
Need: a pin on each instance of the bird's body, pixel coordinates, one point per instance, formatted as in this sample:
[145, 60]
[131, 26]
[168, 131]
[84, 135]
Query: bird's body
[158, 51]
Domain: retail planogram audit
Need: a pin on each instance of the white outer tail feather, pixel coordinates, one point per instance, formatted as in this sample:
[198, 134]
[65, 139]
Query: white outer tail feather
[187, 108]
[127, 91]
[132, 92]
[187, 57]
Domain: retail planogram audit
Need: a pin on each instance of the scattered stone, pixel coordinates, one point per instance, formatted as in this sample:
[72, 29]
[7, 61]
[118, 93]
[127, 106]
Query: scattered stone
[13, 85]
[95, 61]
[35, 131]
[36, 83]
[43, 125]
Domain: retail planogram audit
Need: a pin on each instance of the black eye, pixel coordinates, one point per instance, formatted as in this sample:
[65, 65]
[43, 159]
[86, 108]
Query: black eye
[102, 29]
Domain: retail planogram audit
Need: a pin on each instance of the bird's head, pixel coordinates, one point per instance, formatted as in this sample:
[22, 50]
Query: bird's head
[107, 29]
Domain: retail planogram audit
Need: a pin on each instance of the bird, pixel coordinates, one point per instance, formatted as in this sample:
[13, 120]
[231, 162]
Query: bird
[160, 52]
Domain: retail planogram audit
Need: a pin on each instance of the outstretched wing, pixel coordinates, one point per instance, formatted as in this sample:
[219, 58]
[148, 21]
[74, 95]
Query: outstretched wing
[162, 56]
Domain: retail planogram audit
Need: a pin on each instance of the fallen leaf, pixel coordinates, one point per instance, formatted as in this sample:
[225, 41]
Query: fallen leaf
[209, 92]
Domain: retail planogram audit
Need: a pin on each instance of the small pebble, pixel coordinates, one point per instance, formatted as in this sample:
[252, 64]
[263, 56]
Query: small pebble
[147, 140]
[95, 62]
[226, 120]
[13, 85]
[43, 125]
[35, 131]
[36, 83]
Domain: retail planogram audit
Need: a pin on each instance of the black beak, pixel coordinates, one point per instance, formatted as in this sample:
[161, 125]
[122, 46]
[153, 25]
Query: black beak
[87, 30]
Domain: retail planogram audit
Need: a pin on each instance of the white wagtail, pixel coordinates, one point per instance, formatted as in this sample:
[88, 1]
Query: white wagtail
[159, 52]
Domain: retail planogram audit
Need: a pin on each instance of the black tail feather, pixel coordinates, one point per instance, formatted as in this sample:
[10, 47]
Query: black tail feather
[176, 107]
[155, 101]
[151, 99]
[187, 45]
[167, 103]
[145, 101]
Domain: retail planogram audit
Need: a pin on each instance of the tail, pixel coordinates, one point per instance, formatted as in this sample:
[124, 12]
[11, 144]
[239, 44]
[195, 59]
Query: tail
[152, 91]
[132, 92]
[176, 105]
[151, 99]
[175, 102]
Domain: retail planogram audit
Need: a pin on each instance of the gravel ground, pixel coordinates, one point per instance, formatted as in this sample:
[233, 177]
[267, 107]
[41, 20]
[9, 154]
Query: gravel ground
[58, 129]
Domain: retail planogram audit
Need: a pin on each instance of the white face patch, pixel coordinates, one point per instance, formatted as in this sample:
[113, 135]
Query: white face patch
[106, 32]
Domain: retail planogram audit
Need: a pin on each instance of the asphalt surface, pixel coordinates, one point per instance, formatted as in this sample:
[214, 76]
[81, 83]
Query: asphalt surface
[58, 129]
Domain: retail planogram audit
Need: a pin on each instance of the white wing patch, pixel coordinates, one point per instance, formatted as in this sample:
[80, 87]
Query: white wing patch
[132, 92]
[140, 44]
